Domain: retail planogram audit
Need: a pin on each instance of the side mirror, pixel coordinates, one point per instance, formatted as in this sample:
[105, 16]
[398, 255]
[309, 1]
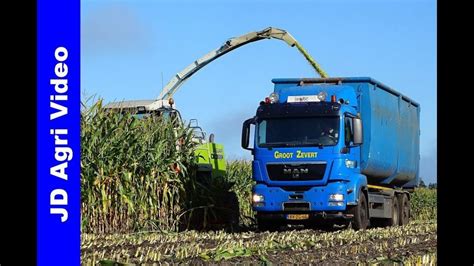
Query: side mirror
[357, 125]
[211, 138]
[246, 133]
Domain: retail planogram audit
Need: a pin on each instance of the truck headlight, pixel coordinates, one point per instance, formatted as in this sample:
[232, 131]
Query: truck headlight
[257, 198]
[322, 96]
[351, 164]
[336, 197]
[273, 97]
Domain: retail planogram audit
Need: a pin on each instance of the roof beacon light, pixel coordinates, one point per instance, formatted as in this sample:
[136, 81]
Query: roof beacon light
[273, 97]
[322, 96]
[333, 98]
[171, 101]
[267, 100]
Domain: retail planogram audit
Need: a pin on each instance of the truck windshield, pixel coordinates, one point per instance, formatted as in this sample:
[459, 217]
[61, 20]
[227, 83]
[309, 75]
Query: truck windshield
[305, 131]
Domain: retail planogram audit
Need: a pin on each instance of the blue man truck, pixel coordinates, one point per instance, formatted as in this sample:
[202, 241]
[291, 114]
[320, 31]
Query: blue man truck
[330, 150]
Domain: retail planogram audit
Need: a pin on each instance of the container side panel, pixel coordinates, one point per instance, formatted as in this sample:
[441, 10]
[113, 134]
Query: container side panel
[366, 115]
[408, 158]
[380, 157]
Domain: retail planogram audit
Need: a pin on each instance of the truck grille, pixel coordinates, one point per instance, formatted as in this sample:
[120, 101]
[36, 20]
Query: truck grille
[296, 172]
[296, 206]
[296, 189]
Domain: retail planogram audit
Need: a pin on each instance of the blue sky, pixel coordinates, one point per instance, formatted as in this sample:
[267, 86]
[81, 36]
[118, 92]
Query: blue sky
[130, 48]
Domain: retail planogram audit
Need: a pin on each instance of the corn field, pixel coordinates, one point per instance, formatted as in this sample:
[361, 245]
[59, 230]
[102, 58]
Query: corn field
[139, 191]
[139, 174]
[424, 204]
[239, 172]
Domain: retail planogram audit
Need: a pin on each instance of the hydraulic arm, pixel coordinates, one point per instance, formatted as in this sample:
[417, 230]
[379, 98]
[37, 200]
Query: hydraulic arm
[231, 44]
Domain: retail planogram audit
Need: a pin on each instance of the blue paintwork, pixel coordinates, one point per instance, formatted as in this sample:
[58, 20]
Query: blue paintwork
[316, 196]
[389, 154]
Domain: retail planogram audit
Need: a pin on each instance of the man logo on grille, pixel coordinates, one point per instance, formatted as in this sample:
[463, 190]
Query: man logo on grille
[295, 172]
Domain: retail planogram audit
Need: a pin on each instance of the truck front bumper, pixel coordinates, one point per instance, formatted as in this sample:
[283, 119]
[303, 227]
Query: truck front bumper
[315, 199]
[282, 216]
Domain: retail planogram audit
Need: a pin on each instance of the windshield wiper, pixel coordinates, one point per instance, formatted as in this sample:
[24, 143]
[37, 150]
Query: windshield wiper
[282, 144]
[292, 144]
[317, 144]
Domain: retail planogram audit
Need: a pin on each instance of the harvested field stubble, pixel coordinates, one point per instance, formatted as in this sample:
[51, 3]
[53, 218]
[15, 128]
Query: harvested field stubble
[405, 243]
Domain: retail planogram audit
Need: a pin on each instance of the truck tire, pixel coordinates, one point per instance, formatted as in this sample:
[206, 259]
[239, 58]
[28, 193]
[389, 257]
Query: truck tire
[394, 220]
[360, 212]
[404, 209]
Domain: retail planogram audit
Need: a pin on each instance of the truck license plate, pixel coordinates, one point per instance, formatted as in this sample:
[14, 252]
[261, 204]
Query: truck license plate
[297, 216]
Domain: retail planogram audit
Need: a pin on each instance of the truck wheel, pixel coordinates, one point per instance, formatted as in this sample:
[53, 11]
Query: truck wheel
[395, 213]
[404, 209]
[361, 217]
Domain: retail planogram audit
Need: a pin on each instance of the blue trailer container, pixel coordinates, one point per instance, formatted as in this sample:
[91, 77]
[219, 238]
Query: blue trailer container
[390, 153]
[365, 173]
[390, 150]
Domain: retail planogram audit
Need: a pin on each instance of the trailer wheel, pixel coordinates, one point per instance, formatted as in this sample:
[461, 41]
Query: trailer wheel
[361, 216]
[404, 209]
[394, 220]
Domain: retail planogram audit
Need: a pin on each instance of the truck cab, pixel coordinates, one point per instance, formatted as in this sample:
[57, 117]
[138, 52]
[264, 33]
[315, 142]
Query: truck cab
[309, 156]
